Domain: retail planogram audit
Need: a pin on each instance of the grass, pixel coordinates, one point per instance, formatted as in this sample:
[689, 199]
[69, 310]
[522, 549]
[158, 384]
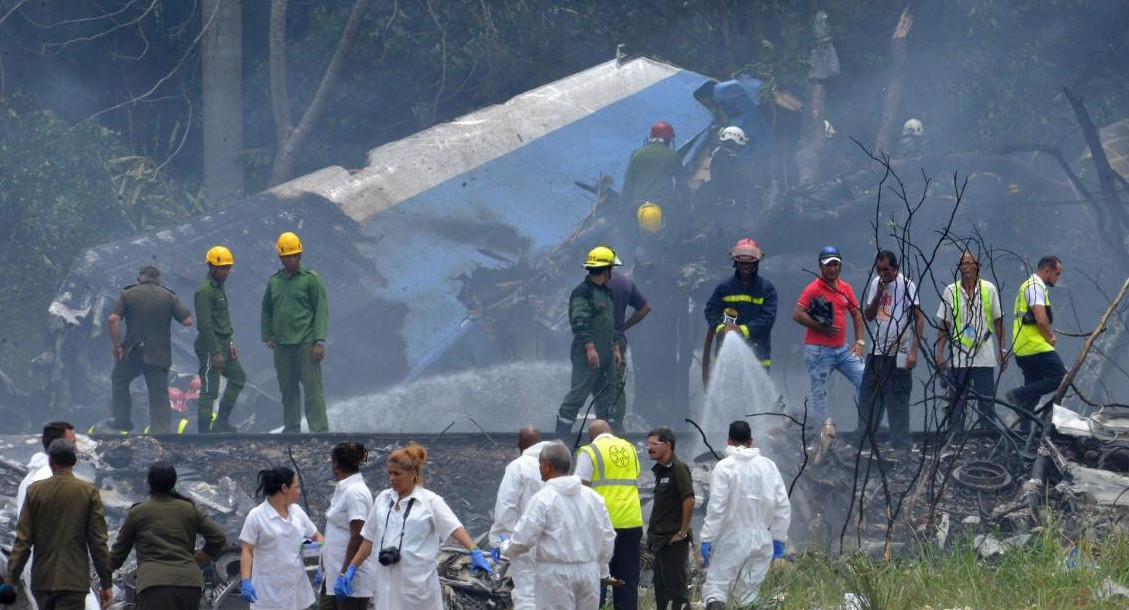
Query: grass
[1033, 576]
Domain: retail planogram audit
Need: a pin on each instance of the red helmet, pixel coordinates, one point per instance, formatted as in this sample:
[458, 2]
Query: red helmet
[746, 251]
[662, 131]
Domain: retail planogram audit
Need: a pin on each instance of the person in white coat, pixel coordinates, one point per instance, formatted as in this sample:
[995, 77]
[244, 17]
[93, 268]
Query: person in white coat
[348, 508]
[274, 576]
[567, 530]
[746, 522]
[407, 524]
[38, 469]
[521, 480]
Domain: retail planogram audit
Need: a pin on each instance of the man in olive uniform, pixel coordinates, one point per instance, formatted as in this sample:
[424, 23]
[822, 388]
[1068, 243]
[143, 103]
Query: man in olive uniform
[215, 348]
[64, 521]
[595, 354]
[147, 308]
[294, 321]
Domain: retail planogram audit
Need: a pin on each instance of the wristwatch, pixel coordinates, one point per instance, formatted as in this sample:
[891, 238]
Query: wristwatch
[860, 342]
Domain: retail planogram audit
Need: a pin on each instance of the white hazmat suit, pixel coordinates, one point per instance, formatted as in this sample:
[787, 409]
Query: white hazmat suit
[521, 480]
[567, 530]
[748, 509]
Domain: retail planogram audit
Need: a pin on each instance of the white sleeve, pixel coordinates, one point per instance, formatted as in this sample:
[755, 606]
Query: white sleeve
[912, 288]
[715, 510]
[373, 524]
[528, 529]
[607, 549]
[1036, 295]
[871, 291]
[506, 513]
[251, 529]
[584, 467]
[945, 307]
[309, 530]
[782, 510]
[996, 309]
[357, 504]
[445, 520]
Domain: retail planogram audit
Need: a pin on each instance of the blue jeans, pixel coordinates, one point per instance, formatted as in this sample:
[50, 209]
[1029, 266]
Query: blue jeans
[821, 360]
[885, 389]
[1041, 375]
[965, 383]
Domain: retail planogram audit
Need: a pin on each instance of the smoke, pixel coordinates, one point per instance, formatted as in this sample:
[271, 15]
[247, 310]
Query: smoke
[503, 398]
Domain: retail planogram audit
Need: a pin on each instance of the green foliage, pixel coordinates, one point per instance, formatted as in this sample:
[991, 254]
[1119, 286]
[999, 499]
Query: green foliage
[63, 188]
[1034, 575]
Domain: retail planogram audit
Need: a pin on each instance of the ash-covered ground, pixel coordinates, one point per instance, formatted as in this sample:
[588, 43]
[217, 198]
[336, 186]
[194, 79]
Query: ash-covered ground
[843, 501]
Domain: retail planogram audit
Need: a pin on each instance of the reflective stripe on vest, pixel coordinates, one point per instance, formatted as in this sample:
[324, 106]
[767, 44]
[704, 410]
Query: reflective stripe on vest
[615, 472]
[1026, 338]
[962, 329]
[743, 298]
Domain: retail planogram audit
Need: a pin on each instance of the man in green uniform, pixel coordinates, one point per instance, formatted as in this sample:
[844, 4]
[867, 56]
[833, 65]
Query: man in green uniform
[215, 349]
[654, 175]
[63, 520]
[595, 354]
[294, 321]
[147, 308]
[668, 531]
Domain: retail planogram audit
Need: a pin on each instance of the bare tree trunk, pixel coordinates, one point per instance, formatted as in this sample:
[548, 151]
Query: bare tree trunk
[810, 155]
[824, 62]
[279, 97]
[288, 148]
[221, 50]
[891, 105]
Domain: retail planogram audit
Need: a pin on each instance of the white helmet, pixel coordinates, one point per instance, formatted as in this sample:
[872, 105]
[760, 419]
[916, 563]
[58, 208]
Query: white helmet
[913, 127]
[734, 134]
[828, 129]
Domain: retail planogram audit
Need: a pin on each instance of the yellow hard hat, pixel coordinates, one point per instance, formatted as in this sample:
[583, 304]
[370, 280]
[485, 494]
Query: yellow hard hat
[601, 256]
[220, 257]
[288, 243]
[650, 217]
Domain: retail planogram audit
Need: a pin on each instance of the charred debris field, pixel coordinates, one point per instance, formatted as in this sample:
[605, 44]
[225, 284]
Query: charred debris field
[942, 527]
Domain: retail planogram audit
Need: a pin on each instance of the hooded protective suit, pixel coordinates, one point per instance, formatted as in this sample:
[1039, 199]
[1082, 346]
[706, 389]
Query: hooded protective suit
[521, 481]
[566, 526]
[748, 509]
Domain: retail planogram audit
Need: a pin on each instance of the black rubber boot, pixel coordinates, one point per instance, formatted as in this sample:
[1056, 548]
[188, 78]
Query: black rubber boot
[221, 423]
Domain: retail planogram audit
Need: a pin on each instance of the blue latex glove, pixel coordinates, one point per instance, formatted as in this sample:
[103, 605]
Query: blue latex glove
[346, 582]
[496, 552]
[319, 576]
[706, 548]
[247, 591]
[340, 586]
[478, 561]
[777, 549]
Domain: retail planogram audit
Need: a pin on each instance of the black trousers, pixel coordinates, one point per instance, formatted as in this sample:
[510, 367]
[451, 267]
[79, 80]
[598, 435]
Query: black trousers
[167, 597]
[625, 566]
[328, 601]
[671, 565]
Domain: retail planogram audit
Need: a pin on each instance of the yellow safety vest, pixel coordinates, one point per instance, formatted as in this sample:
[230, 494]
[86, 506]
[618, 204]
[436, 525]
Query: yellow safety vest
[961, 327]
[616, 470]
[1026, 338]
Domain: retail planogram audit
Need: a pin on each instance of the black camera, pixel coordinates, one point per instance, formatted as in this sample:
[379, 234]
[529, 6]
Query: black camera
[388, 556]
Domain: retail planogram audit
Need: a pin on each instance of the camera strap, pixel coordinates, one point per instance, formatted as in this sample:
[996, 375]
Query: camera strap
[404, 526]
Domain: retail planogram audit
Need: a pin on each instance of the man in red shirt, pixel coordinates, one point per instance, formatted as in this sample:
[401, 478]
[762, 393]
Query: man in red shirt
[823, 308]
